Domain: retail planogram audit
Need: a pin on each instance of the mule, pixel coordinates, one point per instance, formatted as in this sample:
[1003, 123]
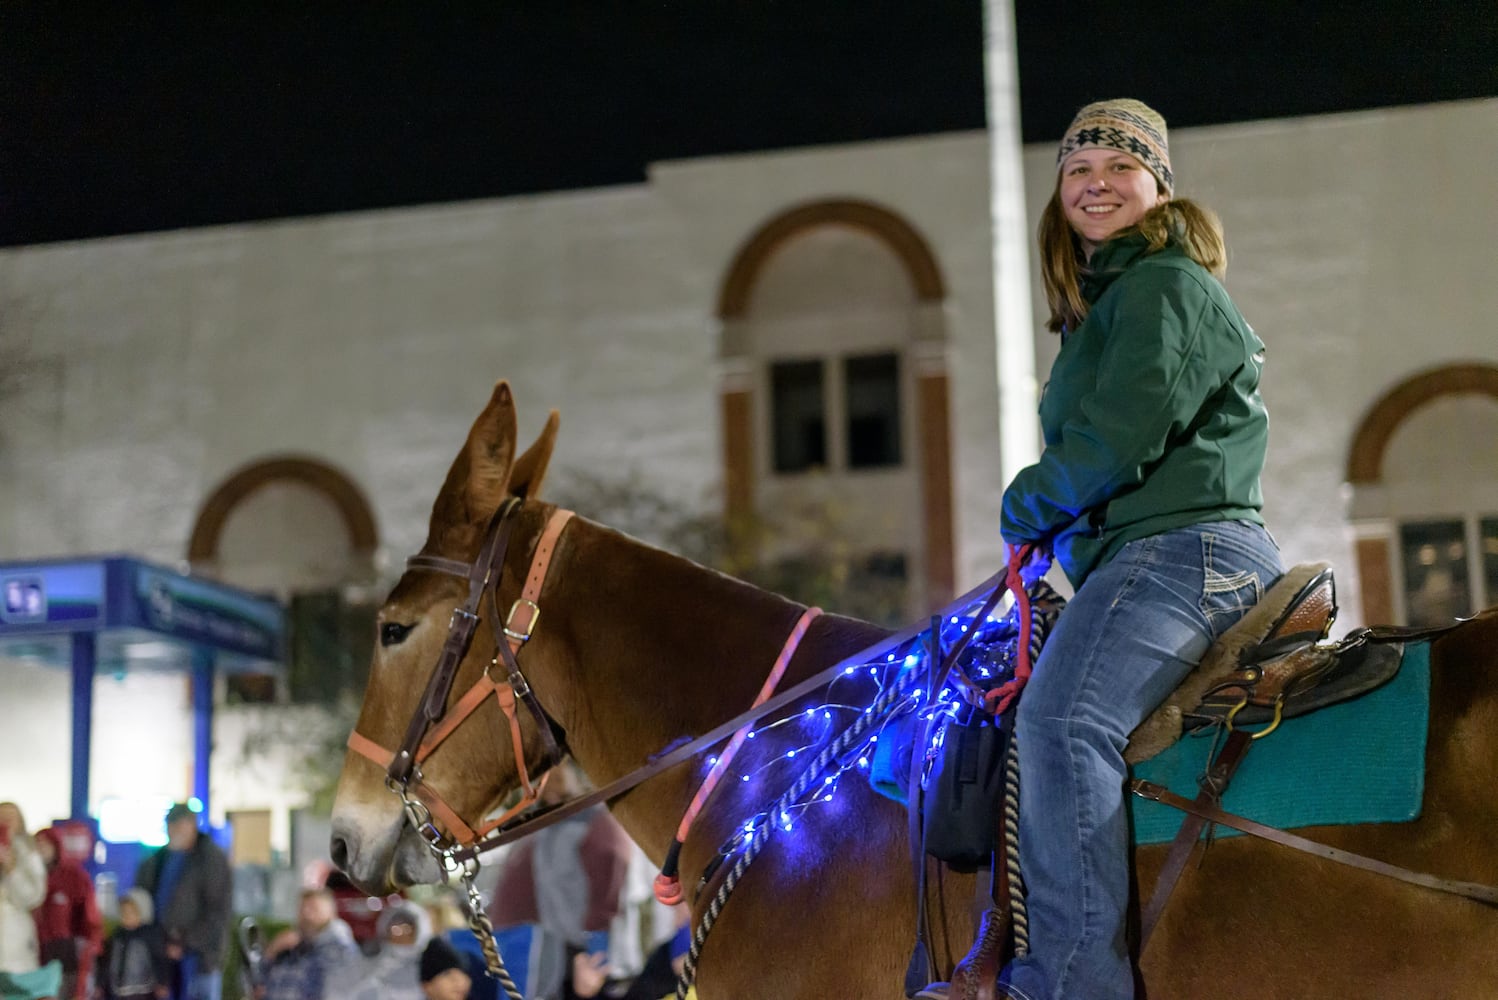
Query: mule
[636, 650]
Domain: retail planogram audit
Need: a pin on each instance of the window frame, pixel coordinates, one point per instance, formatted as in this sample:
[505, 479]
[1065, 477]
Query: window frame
[1471, 519]
[836, 413]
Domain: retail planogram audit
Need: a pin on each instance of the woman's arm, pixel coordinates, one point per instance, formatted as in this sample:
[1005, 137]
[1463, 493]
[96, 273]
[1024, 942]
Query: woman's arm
[1153, 377]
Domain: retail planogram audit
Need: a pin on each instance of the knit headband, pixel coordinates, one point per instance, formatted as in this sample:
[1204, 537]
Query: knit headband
[1129, 126]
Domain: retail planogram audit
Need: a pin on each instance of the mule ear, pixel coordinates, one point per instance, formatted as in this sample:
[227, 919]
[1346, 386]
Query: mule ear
[530, 469]
[489, 455]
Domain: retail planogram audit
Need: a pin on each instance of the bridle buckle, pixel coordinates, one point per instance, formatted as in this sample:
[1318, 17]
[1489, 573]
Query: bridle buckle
[534, 616]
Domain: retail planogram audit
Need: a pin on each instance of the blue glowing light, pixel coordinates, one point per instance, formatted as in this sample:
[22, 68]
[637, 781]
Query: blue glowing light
[985, 664]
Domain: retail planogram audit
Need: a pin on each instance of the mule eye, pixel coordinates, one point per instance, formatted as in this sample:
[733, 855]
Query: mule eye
[394, 633]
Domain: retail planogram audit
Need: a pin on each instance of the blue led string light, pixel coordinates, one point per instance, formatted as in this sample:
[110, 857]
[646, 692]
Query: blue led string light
[986, 660]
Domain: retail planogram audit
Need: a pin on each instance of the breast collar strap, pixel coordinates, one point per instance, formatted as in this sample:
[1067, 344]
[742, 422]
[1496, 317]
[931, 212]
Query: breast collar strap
[434, 721]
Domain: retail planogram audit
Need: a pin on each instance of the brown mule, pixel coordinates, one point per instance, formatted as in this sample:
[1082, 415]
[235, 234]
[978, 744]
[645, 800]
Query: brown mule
[637, 649]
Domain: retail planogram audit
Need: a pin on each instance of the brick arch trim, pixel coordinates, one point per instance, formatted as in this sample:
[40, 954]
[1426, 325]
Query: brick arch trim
[358, 518]
[909, 245]
[1365, 459]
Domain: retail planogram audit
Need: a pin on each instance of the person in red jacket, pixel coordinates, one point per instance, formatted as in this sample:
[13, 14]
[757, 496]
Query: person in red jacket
[68, 925]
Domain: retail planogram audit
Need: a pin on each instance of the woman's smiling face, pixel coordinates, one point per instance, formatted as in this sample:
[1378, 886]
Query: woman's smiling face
[1105, 190]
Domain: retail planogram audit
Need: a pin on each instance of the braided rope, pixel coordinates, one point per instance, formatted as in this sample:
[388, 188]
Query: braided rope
[887, 699]
[420, 818]
[1019, 915]
[483, 929]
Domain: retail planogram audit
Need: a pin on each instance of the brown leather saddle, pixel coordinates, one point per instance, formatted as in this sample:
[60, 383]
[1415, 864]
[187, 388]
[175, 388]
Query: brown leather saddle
[1275, 663]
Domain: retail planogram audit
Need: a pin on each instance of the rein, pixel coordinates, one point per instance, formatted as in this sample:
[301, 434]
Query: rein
[668, 759]
[458, 849]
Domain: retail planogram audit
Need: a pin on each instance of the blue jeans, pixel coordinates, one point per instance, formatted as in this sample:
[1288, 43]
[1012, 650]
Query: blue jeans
[1133, 631]
[196, 984]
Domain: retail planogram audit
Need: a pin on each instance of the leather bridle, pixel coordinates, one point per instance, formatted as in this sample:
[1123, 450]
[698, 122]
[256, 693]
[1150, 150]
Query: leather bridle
[434, 721]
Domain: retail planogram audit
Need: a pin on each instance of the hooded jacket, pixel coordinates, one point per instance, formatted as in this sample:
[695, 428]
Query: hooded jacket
[1152, 418]
[133, 962]
[68, 924]
[392, 972]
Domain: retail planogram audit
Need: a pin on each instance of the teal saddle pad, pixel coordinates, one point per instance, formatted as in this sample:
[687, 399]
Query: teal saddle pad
[1360, 761]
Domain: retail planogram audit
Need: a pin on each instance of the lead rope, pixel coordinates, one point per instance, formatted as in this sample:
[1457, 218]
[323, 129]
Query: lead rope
[420, 819]
[1019, 915]
[483, 929]
[1038, 598]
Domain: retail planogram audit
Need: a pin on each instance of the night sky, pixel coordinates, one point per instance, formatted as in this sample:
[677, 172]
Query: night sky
[129, 117]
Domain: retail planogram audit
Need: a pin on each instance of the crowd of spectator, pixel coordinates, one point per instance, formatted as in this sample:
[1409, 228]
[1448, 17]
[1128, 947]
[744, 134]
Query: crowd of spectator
[563, 903]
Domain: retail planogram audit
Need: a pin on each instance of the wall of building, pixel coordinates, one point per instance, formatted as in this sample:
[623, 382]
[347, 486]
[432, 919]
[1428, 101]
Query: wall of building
[153, 367]
[142, 371]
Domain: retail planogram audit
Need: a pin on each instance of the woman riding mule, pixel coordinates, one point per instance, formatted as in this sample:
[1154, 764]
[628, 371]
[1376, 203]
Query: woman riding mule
[639, 650]
[640, 653]
[1148, 493]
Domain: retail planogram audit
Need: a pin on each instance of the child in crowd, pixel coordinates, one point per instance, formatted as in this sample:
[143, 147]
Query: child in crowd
[68, 926]
[442, 972]
[134, 962]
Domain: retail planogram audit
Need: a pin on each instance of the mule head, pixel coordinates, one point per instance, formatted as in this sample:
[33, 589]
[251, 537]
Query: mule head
[475, 766]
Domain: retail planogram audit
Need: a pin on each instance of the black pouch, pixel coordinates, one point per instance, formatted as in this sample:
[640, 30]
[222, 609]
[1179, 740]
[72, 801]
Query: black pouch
[965, 789]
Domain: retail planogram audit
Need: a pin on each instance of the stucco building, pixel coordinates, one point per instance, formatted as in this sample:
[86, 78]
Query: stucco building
[277, 402]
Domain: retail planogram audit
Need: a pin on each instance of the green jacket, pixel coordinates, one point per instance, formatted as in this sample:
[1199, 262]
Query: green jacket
[1152, 417]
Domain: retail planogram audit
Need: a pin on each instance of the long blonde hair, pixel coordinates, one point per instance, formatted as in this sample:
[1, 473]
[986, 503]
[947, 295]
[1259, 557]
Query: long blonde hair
[1195, 228]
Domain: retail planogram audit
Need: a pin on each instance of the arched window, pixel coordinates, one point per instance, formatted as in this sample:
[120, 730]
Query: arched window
[835, 395]
[300, 529]
[1424, 473]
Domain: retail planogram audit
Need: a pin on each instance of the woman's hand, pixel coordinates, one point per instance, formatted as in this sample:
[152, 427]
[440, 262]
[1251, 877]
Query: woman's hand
[1037, 563]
